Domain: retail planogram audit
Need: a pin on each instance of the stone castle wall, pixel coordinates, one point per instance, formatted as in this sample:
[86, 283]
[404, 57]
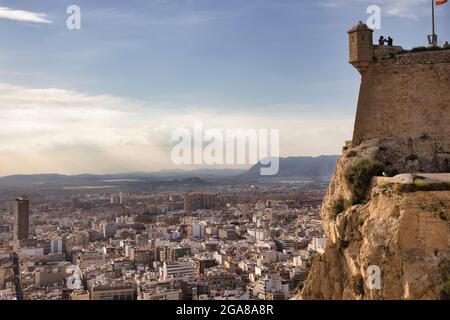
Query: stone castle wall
[405, 96]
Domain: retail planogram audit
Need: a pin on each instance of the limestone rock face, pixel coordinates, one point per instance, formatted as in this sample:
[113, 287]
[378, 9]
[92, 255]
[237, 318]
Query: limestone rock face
[402, 231]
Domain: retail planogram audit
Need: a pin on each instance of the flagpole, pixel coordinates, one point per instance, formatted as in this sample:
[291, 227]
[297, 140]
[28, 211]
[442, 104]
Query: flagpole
[434, 21]
[434, 36]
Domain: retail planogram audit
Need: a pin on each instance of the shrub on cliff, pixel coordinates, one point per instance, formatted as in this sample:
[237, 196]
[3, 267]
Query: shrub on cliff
[444, 268]
[343, 244]
[412, 157]
[421, 186]
[357, 285]
[339, 206]
[445, 292]
[358, 178]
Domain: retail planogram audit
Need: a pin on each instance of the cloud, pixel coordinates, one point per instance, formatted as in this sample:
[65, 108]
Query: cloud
[410, 9]
[23, 16]
[65, 131]
[163, 12]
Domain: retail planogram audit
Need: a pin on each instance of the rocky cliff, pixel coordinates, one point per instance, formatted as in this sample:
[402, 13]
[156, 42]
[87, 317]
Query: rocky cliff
[398, 225]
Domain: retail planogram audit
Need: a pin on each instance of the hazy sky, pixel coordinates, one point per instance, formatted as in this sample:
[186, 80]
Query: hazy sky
[107, 97]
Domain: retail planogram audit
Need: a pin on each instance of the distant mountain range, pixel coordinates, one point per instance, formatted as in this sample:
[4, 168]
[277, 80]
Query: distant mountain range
[83, 179]
[319, 168]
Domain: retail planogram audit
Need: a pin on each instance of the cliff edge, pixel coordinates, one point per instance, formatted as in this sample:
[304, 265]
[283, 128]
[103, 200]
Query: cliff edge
[397, 225]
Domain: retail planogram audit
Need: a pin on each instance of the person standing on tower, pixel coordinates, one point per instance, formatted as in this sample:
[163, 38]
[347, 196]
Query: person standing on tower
[390, 41]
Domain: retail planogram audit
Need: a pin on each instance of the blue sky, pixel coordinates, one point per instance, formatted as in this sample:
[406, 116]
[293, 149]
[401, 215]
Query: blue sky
[264, 62]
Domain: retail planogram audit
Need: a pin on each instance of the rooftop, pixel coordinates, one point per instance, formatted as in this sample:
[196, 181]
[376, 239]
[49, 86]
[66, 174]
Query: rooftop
[360, 27]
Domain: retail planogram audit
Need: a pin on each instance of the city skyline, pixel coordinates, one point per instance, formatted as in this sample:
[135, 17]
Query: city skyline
[104, 99]
[329, 120]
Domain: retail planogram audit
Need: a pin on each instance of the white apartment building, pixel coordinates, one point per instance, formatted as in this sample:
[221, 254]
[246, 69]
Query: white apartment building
[318, 244]
[176, 271]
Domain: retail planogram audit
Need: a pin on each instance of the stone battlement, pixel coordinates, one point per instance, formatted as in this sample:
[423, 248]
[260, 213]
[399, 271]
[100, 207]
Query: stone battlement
[403, 94]
[396, 55]
[385, 52]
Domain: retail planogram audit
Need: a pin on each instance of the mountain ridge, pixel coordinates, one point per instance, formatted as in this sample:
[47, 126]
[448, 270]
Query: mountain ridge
[321, 167]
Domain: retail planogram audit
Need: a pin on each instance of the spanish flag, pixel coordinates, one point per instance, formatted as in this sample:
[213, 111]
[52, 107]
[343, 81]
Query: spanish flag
[439, 2]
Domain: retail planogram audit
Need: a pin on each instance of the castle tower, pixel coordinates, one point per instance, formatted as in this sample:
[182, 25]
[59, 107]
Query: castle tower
[361, 46]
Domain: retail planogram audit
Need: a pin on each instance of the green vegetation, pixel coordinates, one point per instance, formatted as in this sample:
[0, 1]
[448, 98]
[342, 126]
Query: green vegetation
[352, 154]
[417, 177]
[337, 208]
[412, 157]
[387, 186]
[445, 292]
[361, 221]
[357, 285]
[446, 165]
[309, 264]
[359, 176]
[444, 268]
[343, 244]
[300, 287]
[421, 186]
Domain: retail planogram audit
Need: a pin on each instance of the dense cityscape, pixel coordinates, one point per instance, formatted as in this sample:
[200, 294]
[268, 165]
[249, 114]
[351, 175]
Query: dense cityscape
[252, 242]
[208, 159]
